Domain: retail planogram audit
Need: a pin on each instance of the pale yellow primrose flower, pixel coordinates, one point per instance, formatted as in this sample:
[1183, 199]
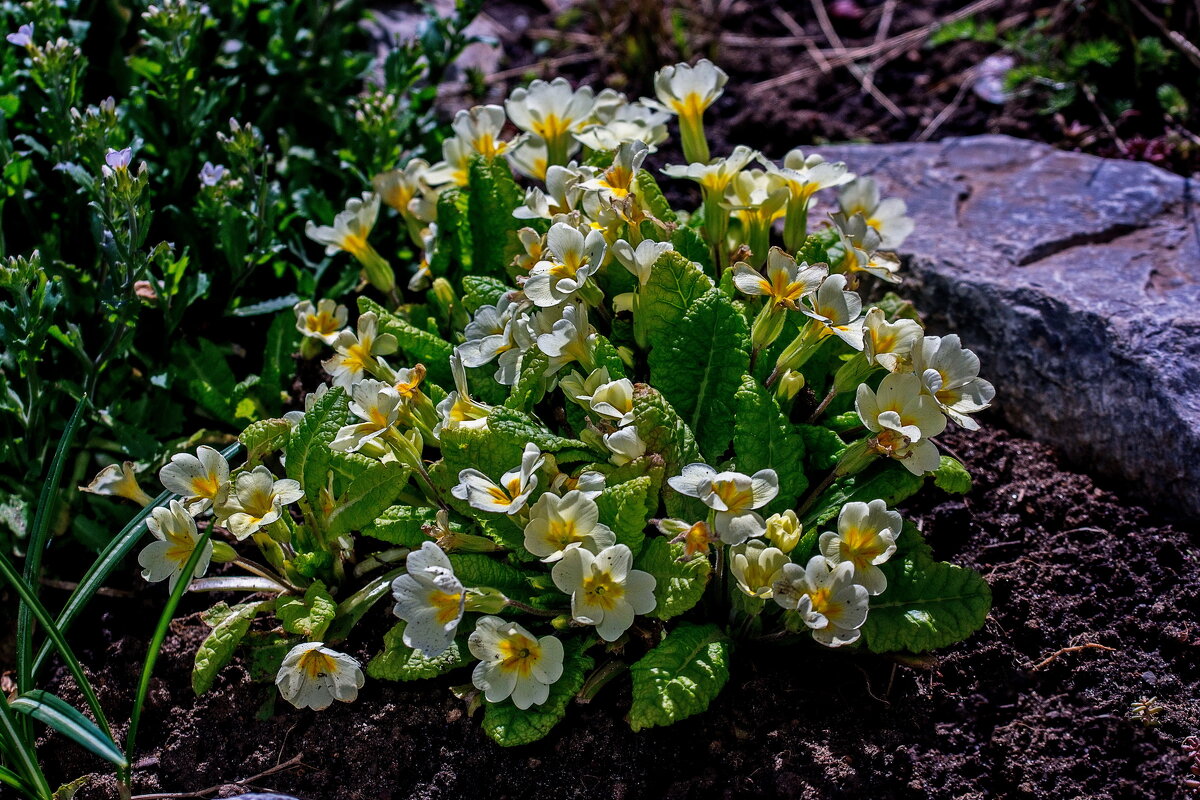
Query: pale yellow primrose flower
[640, 262]
[631, 122]
[197, 478]
[118, 480]
[480, 128]
[784, 530]
[430, 599]
[756, 566]
[688, 91]
[590, 484]
[804, 177]
[324, 321]
[349, 233]
[866, 538]
[410, 192]
[756, 199]
[785, 281]
[553, 112]
[531, 158]
[903, 417]
[617, 180]
[860, 251]
[950, 374]
[457, 409]
[313, 676]
[838, 311]
[572, 258]
[887, 217]
[625, 445]
[828, 600]
[355, 355]
[294, 418]
[570, 339]
[510, 494]
[177, 537]
[889, 344]
[562, 195]
[714, 177]
[608, 398]
[513, 663]
[377, 404]
[255, 500]
[604, 591]
[558, 524]
[732, 495]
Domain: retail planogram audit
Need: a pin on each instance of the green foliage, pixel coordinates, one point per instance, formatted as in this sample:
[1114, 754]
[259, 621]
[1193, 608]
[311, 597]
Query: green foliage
[763, 438]
[367, 496]
[399, 662]
[679, 584]
[308, 453]
[679, 677]
[308, 616]
[675, 284]
[417, 344]
[229, 628]
[928, 604]
[509, 726]
[624, 508]
[401, 525]
[952, 476]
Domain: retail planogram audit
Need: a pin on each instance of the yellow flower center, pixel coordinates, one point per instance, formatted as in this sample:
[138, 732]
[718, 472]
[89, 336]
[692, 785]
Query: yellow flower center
[734, 498]
[561, 533]
[205, 485]
[322, 323]
[552, 127]
[601, 590]
[821, 601]
[861, 546]
[378, 419]
[355, 244]
[316, 664]
[447, 605]
[520, 654]
[356, 357]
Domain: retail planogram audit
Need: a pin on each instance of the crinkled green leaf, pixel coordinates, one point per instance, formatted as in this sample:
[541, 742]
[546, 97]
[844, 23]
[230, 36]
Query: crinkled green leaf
[310, 615]
[652, 197]
[896, 307]
[473, 448]
[928, 604]
[217, 649]
[482, 290]
[952, 476]
[699, 368]
[399, 662]
[607, 357]
[763, 438]
[680, 677]
[821, 447]
[265, 654]
[476, 570]
[509, 726]
[679, 584]
[402, 525]
[308, 453]
[418, 345]
[493, 196]
[666, 435]
[454, 250]
[208, 377]
[264, 437]
[691, 245]
[520, 428]
[625, 507]
[530, 385]
[675, 283]
[366, 497]
[889, 482]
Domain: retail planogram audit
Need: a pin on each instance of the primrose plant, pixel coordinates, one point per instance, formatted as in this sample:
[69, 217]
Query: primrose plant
[594, 433]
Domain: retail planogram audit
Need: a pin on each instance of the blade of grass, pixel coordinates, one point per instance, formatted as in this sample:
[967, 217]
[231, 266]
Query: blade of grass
[160, 634]
[23, 754]
[67, 720]
[13, 780]
[37, 545]
[114, 553]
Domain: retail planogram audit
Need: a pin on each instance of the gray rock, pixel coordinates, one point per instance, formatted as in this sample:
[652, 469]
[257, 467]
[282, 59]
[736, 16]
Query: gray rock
[1077, 281]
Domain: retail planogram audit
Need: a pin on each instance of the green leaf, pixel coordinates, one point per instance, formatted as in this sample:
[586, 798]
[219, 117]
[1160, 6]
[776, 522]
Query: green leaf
[476, 570]
[277, 360]
[519, 428]
[418, 345]
[680, 677]
[208, 378]
[666, 435]
[952, 476]
[652, 197]
[493, 196]
[264, 437]
[607, 357]
[927, 605]
[763, 438]
[890, 482]
[217, 649]
[402, 525]
[367, 497]
[509, 726]
[310, 615]
[472, 448]
[699, 368]
[821, 447]
[625, 508]
[482, 290]
[454, 229]
[530, 385]
[691, 245]
[399, 662]
[680, 585]
[675, 283]
[308, 453]
[70, 722]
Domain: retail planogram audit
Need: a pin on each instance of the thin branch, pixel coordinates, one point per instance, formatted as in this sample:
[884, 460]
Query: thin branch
[864, 80]
[1053, 656]
[291, 763]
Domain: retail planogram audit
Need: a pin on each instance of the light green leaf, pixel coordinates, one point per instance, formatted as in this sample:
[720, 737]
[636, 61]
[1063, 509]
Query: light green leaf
[493, 196]
[763, 438]
[308, 453]
[679, 585]
[209, 379]
[310, 615]
[264, 437]
[231, 625]
[530, 385]
[399, 662]
[675, 283]
[402, 525]
[454, 239]
[652, 197]
[509, 726]
[472, 448]
[418, 345]
[952, 476]
[680, 677]
[367, 497]
[70, 722]
[625, 507]
[476, 570]
[668, 436]
[519, 428]
[890, 482]
[481, 290]
[928, 604]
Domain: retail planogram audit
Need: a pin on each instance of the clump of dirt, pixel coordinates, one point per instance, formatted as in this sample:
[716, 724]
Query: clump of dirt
[1011, 712]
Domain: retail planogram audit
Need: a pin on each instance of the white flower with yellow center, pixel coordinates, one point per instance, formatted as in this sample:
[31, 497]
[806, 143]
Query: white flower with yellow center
[631, 122]
[457, 409]
[323, 321]
[349, 233]
[861, 253]
[177, 537]
[531, 159]
[838, 311]
[889, 344]
[480, 129]
[254, 500]
[313, 676]
[411, 191]
[950, 374]
[625, 445]
[553, 112]
[732, 495]
[572, 257]
[604, 591]
[903, 419]
[612, 399]
[354, 356]
[489, 333]
[804, 176]
[378, 405]
[589, 483]
[197, 478]
[430, 599]
[558, 524]
[569, 340]
[510, 494]
[513, 662]
[756, 566]
[640, 261]
[714, 177]
[687, 91]
[866, 538]
[562, 195]
[756, 199]
[617, 180]
[785, 282]
[888, 217]
[828, 600]
[118, 480]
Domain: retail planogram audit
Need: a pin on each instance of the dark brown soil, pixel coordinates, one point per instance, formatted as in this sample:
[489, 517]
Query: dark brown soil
[1070, 565]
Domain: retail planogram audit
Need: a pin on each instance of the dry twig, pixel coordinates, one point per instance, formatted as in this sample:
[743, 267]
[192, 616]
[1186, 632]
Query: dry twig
[864, 80]
[1075, 649]
[291, 763]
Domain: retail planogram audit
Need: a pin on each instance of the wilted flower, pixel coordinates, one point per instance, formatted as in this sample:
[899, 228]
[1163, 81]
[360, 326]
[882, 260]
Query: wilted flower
[513, 663]
[255, 500]
[697, 539]
[430, 599]
[732, 495]
[558, 524]
[604, 591]
[197, 478]
[510, 494]
[118, 480]
[313, 676]
[177, 537]
[827, 600]
[866, 538]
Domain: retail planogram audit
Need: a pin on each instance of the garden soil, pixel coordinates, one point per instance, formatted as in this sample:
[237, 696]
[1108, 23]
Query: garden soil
[1097, 603]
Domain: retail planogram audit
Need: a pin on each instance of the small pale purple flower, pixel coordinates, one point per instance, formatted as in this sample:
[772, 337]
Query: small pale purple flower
[118, 159]
[23, 37]
[211, 175]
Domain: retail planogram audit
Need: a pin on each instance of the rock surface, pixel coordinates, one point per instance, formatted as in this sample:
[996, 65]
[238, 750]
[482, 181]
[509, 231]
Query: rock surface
[1076, 279]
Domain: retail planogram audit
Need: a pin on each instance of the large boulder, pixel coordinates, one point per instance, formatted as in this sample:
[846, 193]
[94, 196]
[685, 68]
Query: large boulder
[1077, 281]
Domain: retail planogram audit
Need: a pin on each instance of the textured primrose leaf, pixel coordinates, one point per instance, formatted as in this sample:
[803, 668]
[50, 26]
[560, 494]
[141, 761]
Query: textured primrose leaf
[418, 345]
[675, 283]
[476, 570]
[493, 196]
[606, 356]
[952, 476]
[482, 290]
[679, 585]
[519, 428]
[652, 197]
[402, 526]
[699, 369]
[454, 235]
[530, 385]
[625, 507]
[691, 245]
[217, 649]
[666, 435]
[763, 438]
[509, 726]
[308, 453]
[310, 615]
[264, 437]
[473, 448]
[821, 447]
[367, 496]
[680, 677]
[399, 662]
[927, 605]
[889, 482]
